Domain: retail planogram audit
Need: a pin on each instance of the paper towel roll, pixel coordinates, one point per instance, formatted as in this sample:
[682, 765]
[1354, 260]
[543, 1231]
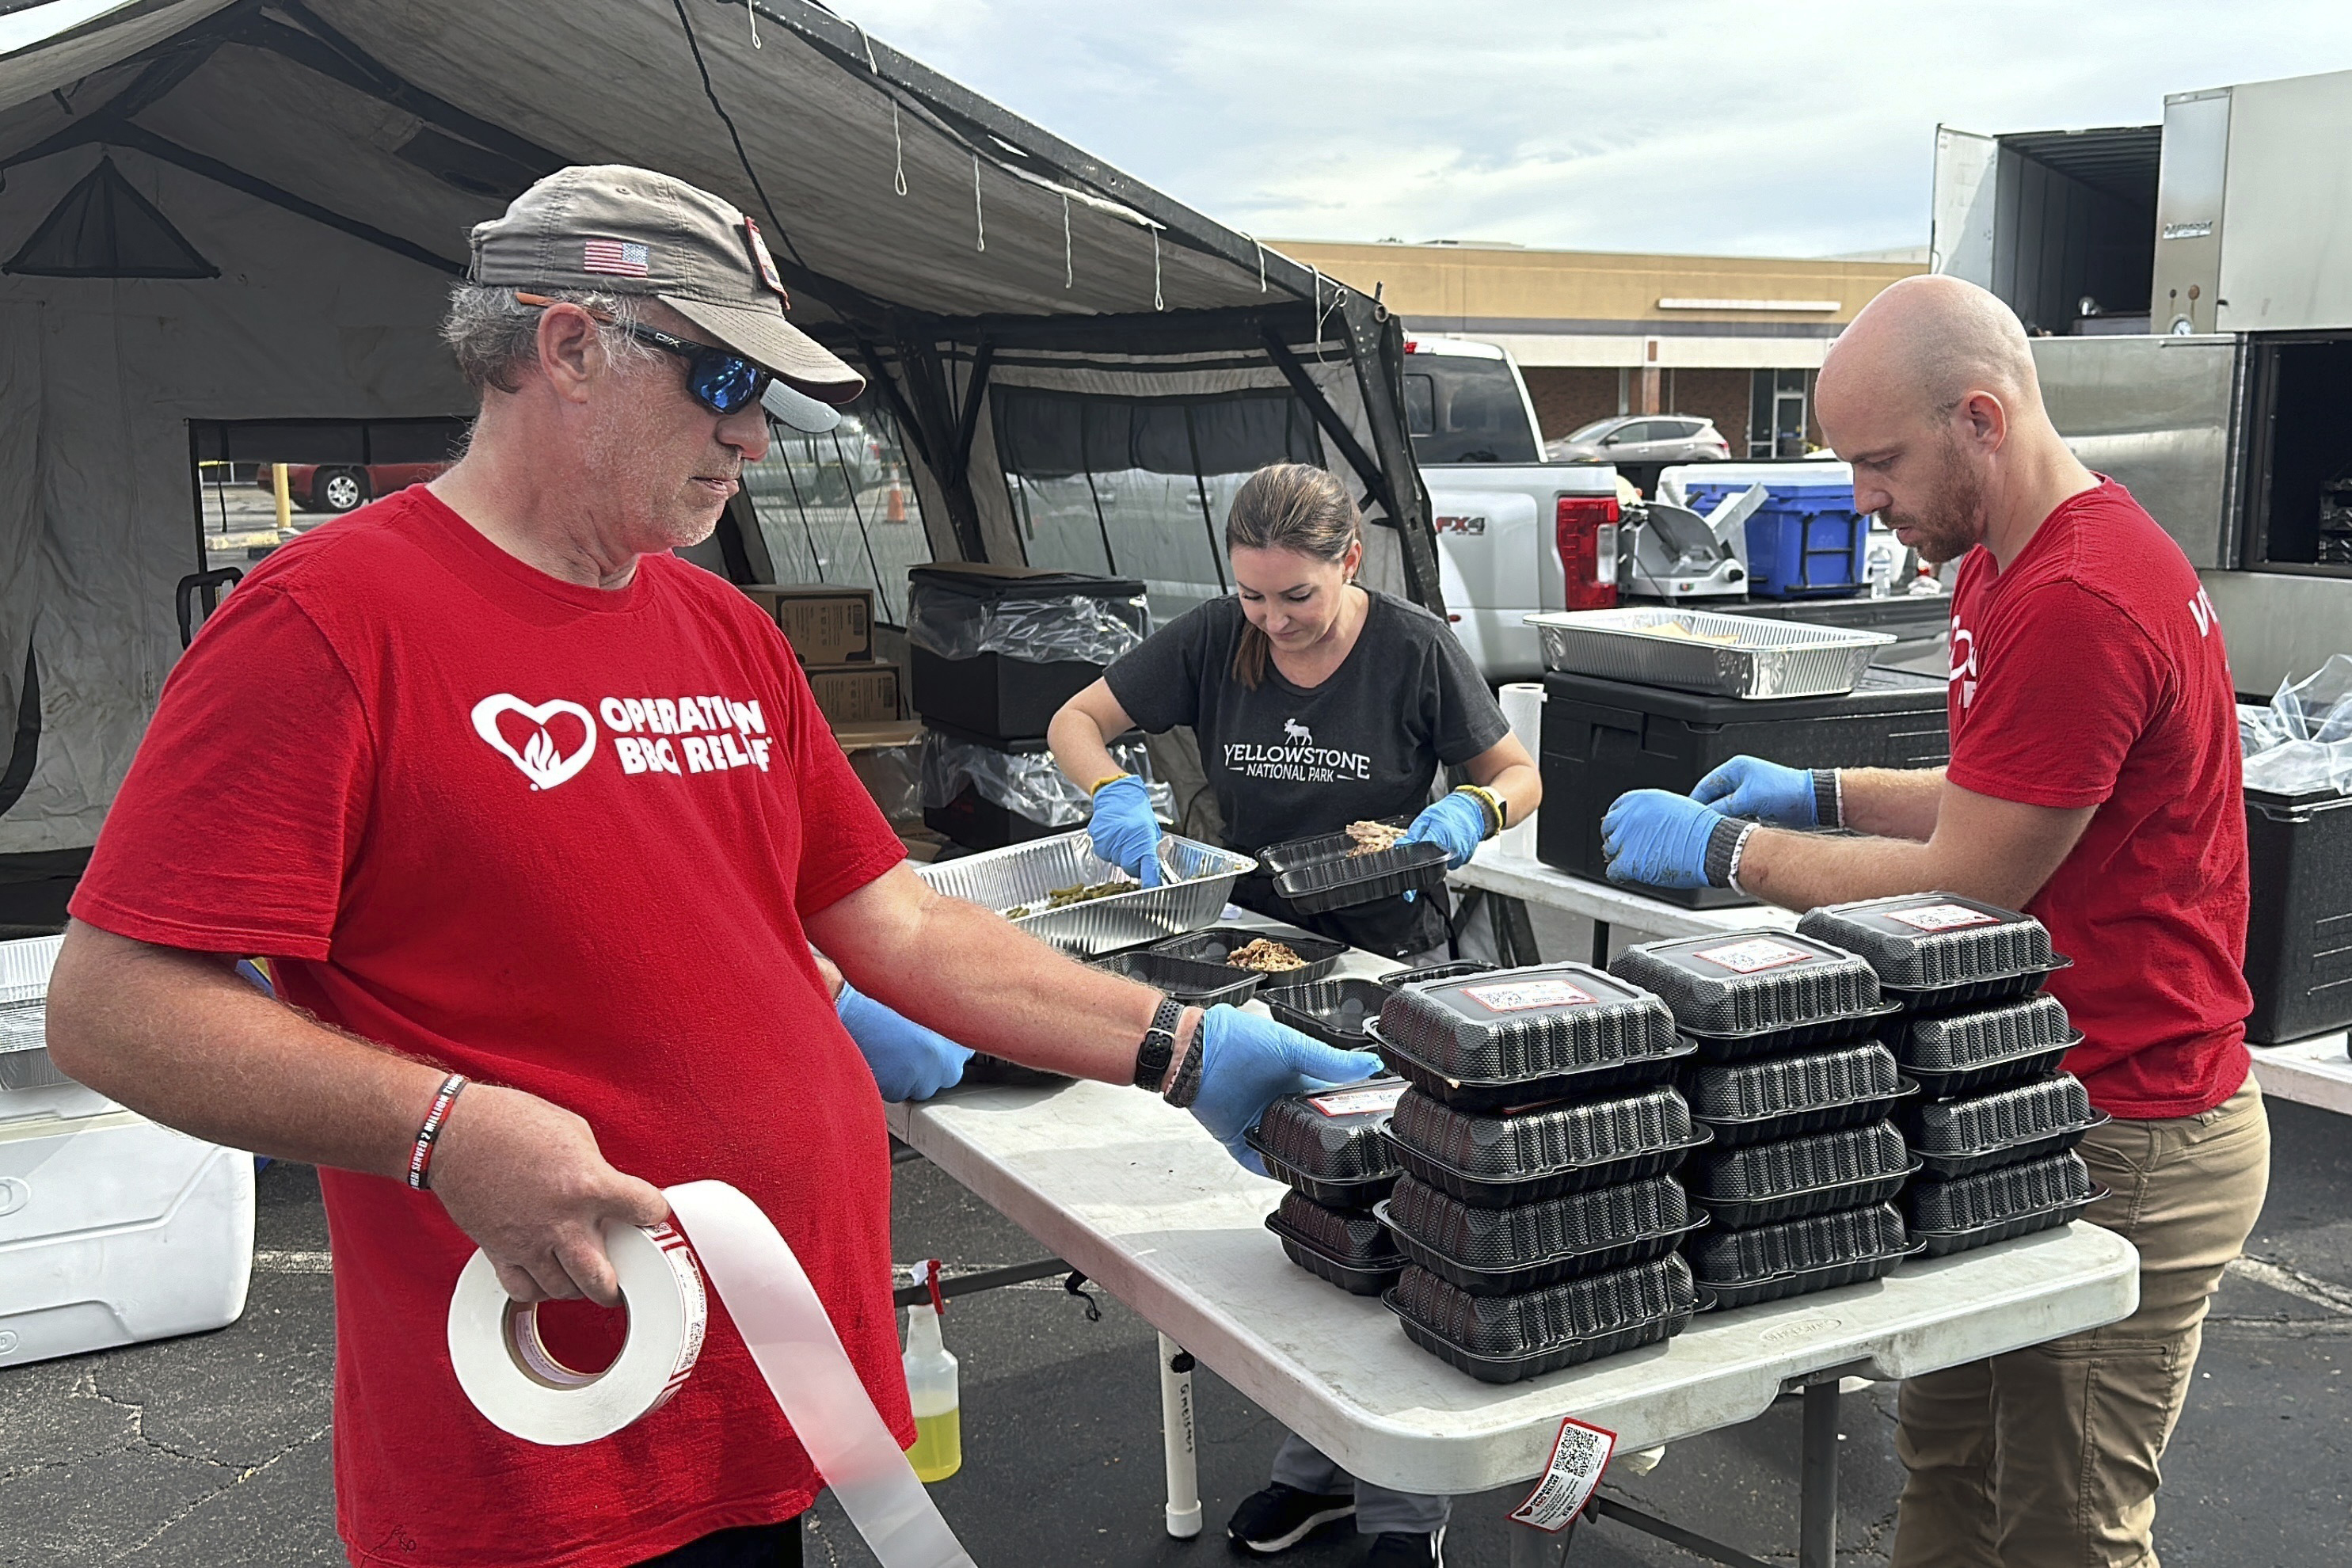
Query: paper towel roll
[1523, 703]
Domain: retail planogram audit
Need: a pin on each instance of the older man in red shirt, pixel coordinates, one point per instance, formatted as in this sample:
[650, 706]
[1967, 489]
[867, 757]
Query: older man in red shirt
[2094, 783]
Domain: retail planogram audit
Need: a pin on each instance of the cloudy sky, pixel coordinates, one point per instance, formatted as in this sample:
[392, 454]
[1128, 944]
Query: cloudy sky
[1745, 127]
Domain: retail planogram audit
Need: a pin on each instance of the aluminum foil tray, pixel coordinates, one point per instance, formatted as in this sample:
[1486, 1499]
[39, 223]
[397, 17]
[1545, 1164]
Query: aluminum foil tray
[1500, 1252]
[2002, 1127]
[1727, 655]
[1740, 1267]
[1333, 1011]
[1764, 1183]
[1503, 1339]
[1544, 1152]
[1751, 983]
[1934, 952]
[1216, 944]
[25, 966]
[1348, 1247]
[1962, 1053]
[1330, 1145]
[1022, 874]
[1786, 1097]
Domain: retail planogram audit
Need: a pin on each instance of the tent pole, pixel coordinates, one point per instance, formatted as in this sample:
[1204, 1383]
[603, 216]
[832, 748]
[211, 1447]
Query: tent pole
[922, 406]
[1376, 343]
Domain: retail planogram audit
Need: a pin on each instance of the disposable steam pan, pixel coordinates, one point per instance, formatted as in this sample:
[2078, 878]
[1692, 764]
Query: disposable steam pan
[2001, 1126]
[1821, 1252]
[1500, 1252]
[1216, 945]
[1328, 1145]
[1543, 1152]
[1934, 952]
[1997, 1205]
[1962, 1053]
[1503, 1339]
[1751, 983]
[1692, 650]
[1785, 1097]
[1333, 1011]
[1764, 1183]
[1200, 879]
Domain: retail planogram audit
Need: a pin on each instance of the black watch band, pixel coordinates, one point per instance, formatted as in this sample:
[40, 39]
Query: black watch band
[1158, 1046]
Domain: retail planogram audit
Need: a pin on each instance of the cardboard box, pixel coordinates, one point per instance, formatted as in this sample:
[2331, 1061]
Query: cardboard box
[824, 622]
[855, 693]
[888, 760]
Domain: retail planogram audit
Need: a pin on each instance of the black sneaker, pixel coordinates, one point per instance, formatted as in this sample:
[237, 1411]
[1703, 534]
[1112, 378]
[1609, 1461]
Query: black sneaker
[1395, 1548]
[1280, 1517]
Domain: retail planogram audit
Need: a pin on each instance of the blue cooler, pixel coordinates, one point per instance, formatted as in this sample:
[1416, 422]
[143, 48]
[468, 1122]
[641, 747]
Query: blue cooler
[1806, 541]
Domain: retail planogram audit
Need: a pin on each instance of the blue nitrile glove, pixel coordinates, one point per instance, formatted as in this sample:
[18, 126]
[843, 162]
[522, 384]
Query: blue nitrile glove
[1764, 792]
[1458, 822]
[1247, 1062]
[1124, 831]
[1656, 839]
[908, 1061]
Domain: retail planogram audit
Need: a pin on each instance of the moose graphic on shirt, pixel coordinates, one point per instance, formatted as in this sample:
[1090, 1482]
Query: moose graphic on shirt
[1298, 760]
[1293, 730]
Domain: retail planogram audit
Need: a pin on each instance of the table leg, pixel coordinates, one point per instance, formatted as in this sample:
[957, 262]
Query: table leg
[1600, 944]
[1817, 1521]
[1176, 1440]
[1533, 1548]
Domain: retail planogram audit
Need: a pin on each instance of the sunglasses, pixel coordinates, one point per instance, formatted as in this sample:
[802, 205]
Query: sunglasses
[720, 380]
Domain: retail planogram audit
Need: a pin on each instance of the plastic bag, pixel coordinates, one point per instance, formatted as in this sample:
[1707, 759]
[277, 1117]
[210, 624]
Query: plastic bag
[2304, 744]
[1027, 785]
[1076, 628]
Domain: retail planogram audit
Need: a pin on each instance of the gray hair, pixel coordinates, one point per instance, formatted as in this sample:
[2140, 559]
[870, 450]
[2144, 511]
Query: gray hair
[496, 336]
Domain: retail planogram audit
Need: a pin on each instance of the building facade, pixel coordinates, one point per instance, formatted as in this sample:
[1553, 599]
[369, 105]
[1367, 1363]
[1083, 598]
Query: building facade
[1737, 339]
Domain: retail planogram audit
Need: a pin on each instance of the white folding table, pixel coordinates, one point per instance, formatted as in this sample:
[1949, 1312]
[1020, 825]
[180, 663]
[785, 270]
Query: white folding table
[1131, 1193]
[2316, 1071]
[1605, 904]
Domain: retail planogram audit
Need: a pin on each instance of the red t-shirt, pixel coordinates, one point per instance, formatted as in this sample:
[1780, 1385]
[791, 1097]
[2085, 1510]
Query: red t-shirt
[2092, 673]
[559, 839]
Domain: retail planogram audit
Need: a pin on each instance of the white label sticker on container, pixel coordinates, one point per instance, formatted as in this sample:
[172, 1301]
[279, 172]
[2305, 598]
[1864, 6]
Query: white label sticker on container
[1942, 917]
[1579, 1455]
[1528, 995]
[1357, 1101]
[1754, 955]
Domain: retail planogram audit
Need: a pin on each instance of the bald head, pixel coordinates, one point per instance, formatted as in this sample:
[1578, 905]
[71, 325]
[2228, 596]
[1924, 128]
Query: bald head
[1929, 342]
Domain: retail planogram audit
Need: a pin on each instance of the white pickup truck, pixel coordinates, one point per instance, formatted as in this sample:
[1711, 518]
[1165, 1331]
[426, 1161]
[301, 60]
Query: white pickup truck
[1514, 533]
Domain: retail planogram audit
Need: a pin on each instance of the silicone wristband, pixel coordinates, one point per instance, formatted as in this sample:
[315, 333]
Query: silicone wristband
[420, 1157]
[1096, 788]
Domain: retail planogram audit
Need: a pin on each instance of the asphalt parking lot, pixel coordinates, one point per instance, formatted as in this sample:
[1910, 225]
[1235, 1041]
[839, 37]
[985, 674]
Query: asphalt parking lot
[213, 1449]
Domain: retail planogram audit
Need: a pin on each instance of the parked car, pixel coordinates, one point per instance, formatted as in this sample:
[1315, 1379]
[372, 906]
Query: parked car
[342, 487]
[1643, 439]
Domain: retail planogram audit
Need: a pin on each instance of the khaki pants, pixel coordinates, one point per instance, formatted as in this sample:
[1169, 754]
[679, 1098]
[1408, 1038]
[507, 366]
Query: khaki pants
[2046, 1458]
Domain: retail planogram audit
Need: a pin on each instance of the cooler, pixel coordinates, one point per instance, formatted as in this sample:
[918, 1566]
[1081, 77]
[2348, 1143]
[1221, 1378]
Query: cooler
[2299, 931]
[1601, 738]
[1805, 540]
[996, 651]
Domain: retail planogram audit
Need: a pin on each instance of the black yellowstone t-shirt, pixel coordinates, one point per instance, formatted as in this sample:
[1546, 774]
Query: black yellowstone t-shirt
[1289, 762]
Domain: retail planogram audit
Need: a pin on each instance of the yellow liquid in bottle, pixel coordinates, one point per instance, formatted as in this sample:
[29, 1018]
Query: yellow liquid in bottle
[938, 1452]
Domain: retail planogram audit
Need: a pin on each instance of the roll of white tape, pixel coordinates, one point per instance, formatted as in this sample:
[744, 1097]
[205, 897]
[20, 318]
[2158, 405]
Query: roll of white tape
[507, 1372]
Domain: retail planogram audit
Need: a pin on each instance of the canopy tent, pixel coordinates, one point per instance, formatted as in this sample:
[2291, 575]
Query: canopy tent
[250, 210]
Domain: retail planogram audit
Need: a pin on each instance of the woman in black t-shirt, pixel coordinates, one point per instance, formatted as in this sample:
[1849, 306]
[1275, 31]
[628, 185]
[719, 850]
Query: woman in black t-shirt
[1316, 703]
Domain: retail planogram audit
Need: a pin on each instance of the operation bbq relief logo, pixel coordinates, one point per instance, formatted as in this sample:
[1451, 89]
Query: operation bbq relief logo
[549, 742]
[1297, 759]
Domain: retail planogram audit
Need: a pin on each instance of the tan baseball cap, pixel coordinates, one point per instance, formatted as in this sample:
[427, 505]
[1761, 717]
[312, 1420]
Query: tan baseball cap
[621, 230]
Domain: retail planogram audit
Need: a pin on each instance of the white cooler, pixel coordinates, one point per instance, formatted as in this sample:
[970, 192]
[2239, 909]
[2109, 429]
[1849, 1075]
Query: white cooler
[112, 1229]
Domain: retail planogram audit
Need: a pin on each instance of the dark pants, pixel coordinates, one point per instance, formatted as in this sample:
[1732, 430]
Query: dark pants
[753, 1546]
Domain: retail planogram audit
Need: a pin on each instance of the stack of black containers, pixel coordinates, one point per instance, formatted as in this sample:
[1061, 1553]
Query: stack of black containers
[1537, 1207]
[1996, 1130]
[1806, 1159]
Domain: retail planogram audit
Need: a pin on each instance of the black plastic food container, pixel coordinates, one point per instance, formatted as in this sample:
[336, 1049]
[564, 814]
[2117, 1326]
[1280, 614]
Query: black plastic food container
[2000, 1204]
[1344, 881]
[1786, 1097]
[1454, 970]
[1961, 1053]
[1751, 983]
[1935, 952]
[1503, 1339]
[1500, 1252]
[2001, 1126]
[1187, 980]
[1328, 1145]
[1333, 1011]
[1820, 1252]
[1216, 944]
[1350, 1248]
[1764, 1183]
[1545, 1152]
[1485, 1039]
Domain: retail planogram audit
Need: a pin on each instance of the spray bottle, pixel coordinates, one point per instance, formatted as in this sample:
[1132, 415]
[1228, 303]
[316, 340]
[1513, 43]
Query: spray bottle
[931, 1388]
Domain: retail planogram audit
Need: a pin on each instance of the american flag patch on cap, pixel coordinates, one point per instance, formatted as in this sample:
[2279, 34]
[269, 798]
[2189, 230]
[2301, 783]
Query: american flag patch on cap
[622, 258]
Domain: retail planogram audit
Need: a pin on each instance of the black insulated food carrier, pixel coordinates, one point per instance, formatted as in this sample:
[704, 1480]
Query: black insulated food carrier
[2299, 931]
[1023, 642]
